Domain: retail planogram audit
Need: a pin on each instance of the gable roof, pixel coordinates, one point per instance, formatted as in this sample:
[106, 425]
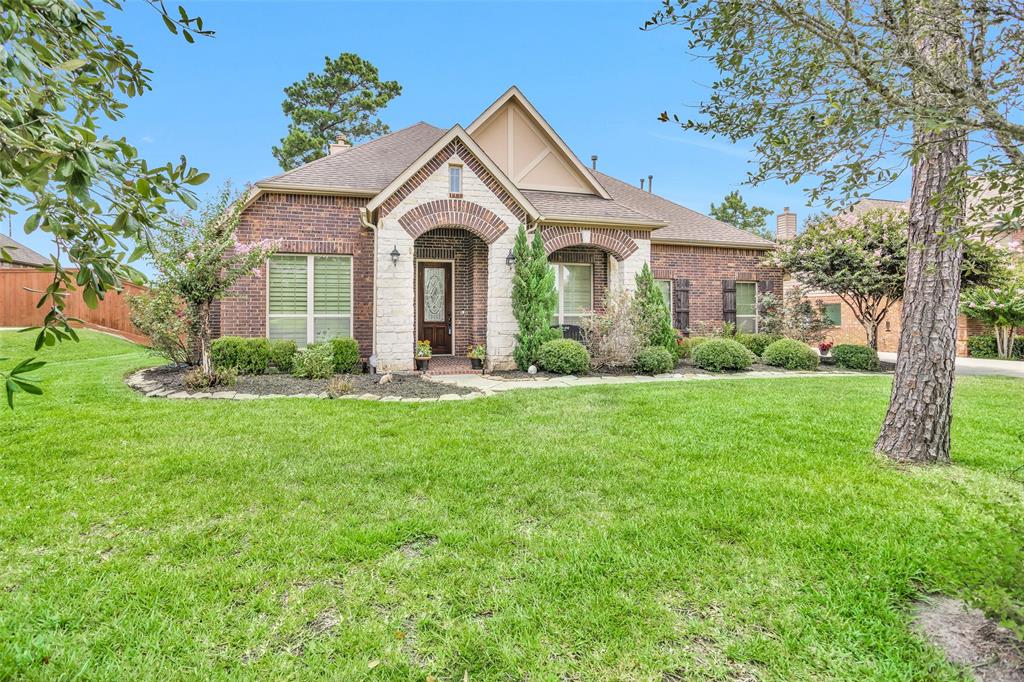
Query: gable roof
[565, 206]
[20, 254]
[535, 118]
[459, 133]
[684, 225]
[365, 169]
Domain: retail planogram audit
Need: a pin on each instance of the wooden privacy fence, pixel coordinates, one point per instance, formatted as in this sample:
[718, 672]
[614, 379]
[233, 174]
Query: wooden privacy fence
[20, 291]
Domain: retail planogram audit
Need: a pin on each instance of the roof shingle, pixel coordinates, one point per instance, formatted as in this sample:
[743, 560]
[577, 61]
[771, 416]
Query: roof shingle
[582, 205]
[20, 254]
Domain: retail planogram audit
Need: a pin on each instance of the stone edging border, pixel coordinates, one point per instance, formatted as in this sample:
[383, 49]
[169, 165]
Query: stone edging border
[152, 389]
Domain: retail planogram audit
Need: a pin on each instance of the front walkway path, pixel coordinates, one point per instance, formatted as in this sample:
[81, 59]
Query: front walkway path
[979, 366]
[488, 384]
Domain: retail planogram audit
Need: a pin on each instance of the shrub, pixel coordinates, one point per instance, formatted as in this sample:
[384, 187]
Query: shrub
[196, 379]
[339, 386]
[686, 345]
[756, 343]
[564, 356]
[654, 360]
[281, 354]
[856, 356]
[316, 362]
[653, 320]
[610, 336]
[159, 315]
[717, 355]
[346, 355]
[247, 356]
[790, 354]
[983, 346]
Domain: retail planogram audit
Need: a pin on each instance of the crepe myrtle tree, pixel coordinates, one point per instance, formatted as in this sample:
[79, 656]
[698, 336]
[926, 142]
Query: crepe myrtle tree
[64, 72]
[199, 259]
[862, 259]
[1000, 304]
[534, 297]
[850, 94]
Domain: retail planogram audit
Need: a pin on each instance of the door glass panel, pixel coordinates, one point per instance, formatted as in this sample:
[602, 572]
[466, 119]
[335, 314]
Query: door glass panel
[434, 294]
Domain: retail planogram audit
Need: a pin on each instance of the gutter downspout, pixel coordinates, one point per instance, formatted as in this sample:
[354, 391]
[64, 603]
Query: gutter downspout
[364, 220]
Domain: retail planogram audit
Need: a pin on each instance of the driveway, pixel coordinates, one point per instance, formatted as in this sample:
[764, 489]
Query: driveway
[979, 366]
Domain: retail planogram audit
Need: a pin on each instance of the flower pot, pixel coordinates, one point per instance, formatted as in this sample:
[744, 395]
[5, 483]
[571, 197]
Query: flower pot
[423, 364]
[476, 363]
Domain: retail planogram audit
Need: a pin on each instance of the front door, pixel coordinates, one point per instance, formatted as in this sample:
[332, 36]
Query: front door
[435, 306]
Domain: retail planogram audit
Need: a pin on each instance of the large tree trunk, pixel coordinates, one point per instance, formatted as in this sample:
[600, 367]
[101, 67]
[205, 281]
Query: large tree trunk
[916, 427]
[871, 334]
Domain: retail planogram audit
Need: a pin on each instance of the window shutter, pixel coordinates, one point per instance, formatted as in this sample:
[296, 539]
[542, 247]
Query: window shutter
[681, 305]
[729, 300]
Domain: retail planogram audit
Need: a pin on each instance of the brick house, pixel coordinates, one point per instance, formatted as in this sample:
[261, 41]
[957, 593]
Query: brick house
[410, 236]
[847, 329]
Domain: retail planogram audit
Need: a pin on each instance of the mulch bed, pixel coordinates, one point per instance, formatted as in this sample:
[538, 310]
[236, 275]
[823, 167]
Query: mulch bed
[401, 385]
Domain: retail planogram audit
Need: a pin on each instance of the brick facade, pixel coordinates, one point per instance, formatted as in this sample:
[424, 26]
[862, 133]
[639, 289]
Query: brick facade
[706, 267]
[306, 224]
[468, 253]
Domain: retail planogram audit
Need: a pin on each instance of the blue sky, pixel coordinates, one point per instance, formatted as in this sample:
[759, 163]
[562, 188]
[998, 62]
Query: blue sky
[598, 80]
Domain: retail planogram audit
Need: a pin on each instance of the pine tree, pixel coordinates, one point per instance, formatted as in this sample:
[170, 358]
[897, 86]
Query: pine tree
[534, 298]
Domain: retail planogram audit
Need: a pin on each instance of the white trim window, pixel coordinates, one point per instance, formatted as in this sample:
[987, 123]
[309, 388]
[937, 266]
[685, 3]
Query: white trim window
[575, 285]
[309, 298]
[666, 292]
[746, 307]
[455, 179]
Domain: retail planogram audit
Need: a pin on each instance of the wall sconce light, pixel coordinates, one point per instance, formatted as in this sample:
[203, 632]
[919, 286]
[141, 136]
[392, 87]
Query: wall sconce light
[510, 259]
[395, 255]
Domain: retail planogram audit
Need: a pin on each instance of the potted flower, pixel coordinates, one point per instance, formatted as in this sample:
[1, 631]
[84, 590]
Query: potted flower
[825, 347]
[477, 355]
[423, 354]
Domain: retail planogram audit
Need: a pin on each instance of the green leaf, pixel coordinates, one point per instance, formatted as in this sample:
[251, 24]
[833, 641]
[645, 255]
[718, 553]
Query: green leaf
[72, 64]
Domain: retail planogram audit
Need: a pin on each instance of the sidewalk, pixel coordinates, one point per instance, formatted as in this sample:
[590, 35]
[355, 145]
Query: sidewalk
[979, 366]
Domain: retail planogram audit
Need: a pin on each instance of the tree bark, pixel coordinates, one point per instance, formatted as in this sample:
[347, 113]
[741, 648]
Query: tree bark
[916, 427]
[202, 323]
[871, 334]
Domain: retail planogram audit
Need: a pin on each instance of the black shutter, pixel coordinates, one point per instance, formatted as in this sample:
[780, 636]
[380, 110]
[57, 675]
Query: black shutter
[729, 301]
[681, 305]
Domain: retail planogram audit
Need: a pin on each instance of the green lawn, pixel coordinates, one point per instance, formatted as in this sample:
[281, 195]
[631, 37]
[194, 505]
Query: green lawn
[732, 529]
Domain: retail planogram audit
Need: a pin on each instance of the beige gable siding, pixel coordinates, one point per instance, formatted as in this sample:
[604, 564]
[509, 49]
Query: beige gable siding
[526, 154]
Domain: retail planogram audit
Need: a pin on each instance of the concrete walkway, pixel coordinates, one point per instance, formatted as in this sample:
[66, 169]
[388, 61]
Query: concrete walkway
[979, 366]
[488, 385]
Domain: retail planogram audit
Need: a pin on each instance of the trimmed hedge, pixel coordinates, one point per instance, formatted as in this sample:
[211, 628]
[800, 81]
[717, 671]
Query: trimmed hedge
[686, 345]
[856, 356]
[563, 356]
[246, 356]
[757, 343]
[346, 355]
[984, 346]
[717, 355]
[790, 354]
[654, 360]
[316, 362]
[282, 353]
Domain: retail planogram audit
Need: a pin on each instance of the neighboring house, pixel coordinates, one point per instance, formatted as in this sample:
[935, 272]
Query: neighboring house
[410, 237]
[847, 328]
[20, 255]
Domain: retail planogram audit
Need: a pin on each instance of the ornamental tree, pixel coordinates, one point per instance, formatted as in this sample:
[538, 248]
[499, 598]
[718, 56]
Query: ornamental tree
[850, 94]
[653, 320]
[341, 101]
[735, 211]
[1000, 304]
[200, 258]
[534, 297]
[862, 259]
[64, 73]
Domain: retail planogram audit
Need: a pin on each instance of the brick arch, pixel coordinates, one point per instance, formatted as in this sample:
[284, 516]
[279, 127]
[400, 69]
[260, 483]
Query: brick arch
[616, 242]
[453, 213]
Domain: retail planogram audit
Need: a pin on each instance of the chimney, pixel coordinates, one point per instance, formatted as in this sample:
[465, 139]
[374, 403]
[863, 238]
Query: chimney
[641, 183]
[650, 183]
[785, 225]
[339, 145]
[593, 161]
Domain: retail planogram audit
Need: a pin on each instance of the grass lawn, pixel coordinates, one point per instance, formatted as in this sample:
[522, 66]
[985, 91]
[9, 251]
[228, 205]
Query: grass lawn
[735, 529]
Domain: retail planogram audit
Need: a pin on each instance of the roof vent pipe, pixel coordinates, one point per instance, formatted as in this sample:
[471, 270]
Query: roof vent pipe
[650, 183]
[593, 161]
[641, 183]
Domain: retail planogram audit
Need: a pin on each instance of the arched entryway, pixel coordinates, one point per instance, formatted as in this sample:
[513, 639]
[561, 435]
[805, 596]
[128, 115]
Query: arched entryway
[450, 281]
